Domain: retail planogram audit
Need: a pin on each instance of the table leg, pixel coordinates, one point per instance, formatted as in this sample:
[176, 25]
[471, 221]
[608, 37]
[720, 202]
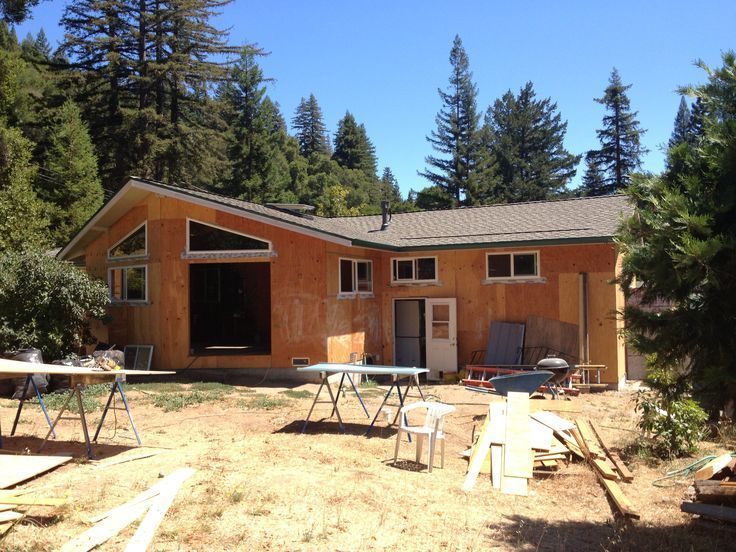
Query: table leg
[314, 402]
[78, 393]
[117, 386]
[104, 411]
[334, 407]
[29, 378]
[58, 417]
[339, 388]
[357, 394]
[385, 398]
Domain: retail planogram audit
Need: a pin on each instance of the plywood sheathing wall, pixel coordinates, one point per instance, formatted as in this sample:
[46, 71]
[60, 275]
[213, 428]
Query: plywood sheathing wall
[299, 296]
[460, 274]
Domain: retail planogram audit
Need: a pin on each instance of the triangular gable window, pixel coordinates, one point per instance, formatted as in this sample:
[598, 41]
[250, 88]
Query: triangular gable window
[208, 238]
[132, 245]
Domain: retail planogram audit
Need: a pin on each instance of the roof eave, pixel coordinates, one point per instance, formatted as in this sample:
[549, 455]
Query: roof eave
[484, 245]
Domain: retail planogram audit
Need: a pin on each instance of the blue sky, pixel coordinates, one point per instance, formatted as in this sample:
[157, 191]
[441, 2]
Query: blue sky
[384, 60]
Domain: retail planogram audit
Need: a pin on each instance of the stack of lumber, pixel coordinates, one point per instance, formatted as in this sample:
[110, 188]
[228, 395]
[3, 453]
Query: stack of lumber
[714, 490]
[15, 469]
[14, 506]
[514, 444]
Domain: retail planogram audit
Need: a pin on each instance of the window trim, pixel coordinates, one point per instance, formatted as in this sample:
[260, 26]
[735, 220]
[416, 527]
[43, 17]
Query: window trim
[143, 225]
[513, 277]
[354, 269]
[116, 301]
[189, 251]
[414, 279]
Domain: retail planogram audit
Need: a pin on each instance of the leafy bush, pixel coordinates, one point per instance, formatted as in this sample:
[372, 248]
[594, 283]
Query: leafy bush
[47, 303]
[673, 422]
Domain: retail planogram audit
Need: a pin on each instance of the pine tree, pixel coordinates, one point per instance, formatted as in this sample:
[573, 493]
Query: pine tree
[456, 136]
[391, 190]
[71, 185]
[621, 151]
[23, 221]
[680, 247]
[353, 148]
[592, 178]
[42, 46]
[682, 124]
[527, 140]
[310, 128]
[695, 129]
[16, 11]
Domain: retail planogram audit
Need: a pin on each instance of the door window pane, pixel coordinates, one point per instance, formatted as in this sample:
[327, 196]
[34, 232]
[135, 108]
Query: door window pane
[440, 330]
[440, 313]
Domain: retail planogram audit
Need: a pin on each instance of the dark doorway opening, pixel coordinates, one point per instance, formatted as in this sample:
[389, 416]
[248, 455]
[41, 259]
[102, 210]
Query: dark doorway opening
[409, 333]
[230, 305]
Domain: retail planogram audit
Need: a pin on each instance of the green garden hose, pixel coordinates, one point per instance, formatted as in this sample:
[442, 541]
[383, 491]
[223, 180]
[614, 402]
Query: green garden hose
[666, 481]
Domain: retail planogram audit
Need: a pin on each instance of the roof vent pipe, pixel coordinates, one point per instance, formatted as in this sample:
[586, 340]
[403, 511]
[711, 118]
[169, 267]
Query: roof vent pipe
[385, 215]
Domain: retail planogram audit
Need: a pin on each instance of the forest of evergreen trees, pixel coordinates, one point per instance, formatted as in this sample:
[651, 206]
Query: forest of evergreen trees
[152, 88]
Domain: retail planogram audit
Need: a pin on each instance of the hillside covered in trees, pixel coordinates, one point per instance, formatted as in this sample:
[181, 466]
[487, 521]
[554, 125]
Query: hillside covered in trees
[157, 90]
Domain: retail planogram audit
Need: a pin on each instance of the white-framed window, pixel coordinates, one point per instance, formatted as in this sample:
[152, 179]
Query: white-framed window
[413, 269]
[514, 265]
[356, 277]
[203, 237]
[133, 245]
[128, 284]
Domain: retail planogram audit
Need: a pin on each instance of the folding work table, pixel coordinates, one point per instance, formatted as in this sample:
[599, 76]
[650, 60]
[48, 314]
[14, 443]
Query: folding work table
[397, 373]
[79, 377]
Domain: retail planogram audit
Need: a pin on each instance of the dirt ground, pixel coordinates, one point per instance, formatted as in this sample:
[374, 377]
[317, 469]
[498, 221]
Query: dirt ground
[262, 485]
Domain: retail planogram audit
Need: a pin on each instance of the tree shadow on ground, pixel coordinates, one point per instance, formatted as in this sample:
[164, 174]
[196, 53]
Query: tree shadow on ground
[525, 533]
[325, 425]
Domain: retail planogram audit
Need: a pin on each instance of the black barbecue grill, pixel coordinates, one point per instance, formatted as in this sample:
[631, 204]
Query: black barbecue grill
[559, 367]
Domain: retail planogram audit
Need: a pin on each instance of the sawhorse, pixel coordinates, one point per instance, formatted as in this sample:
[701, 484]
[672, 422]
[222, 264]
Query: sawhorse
[29, 381]
[76, 391]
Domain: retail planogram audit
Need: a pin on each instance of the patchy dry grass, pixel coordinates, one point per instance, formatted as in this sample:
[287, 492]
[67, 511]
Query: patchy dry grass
[261, 485]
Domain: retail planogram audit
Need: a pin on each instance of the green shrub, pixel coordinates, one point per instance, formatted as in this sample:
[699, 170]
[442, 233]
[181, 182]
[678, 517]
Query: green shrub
[264, 402]
[672, 421]
[298, 393]
[54, 401]
[176, 401]
[47, 303]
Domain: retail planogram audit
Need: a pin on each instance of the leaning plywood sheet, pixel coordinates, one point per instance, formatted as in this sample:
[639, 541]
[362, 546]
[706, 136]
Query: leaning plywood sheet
[15, 469]
[552, 421]
[505, 344]
[545, 333]
[479, 453]
[518, 449]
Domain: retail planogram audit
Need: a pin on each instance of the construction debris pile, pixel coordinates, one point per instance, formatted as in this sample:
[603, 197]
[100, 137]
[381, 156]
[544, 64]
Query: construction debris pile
[713, 491]
[514, 443]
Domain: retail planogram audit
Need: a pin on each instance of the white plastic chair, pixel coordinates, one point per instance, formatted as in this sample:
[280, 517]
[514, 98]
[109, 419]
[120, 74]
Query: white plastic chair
[433, 427]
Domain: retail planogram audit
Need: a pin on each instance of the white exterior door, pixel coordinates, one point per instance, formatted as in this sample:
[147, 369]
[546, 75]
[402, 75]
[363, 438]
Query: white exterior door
[441, 338]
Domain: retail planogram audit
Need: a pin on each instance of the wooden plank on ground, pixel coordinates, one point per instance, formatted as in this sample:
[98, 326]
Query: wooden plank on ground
[713, 467]
[161, 504]
[5, 527]
[129, 458]
[479, 453]
[15, 469]
[572, 407]
[9, 516]
[553, 421]
[496, 466]
[105, 529]
[713, 511]
[619, 498]
[591, 441]
[618, 464]
[541, 435]
[714, 491]
[32, 500]
[515, 485]
[605, 470]
[518, 456]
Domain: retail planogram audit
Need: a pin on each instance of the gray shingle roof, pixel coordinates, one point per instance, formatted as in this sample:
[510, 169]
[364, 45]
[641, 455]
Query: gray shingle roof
[581, 220]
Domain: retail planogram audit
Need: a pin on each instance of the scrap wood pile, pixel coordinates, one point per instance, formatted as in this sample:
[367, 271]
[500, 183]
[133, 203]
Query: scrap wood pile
[16, 504]
[713, 491]
[514, 444]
